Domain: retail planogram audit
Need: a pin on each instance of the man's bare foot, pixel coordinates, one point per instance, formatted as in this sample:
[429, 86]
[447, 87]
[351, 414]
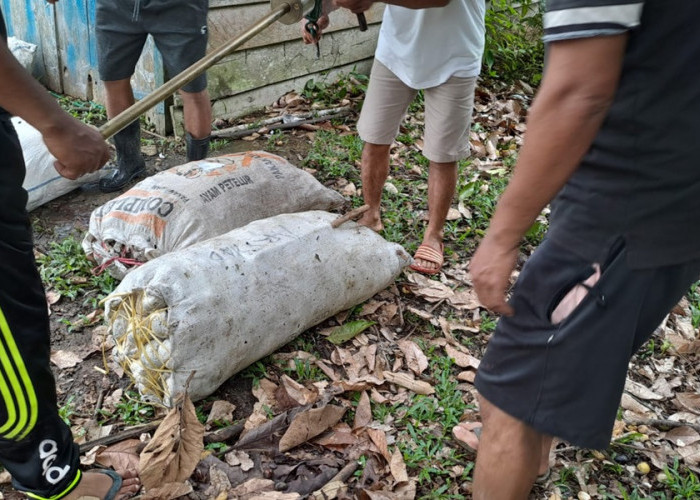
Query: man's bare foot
[372, 221]
[96, 485]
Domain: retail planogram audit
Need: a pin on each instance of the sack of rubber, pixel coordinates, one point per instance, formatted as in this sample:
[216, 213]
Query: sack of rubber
[218, 306]
[197, 201]
[42, 182]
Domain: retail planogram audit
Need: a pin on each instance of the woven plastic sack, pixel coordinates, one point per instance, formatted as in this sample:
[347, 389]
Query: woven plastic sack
[197, 201]
[42, 182]
[218, 306]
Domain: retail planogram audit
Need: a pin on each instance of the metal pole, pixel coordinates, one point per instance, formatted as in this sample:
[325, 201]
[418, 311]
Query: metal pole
[161, 93]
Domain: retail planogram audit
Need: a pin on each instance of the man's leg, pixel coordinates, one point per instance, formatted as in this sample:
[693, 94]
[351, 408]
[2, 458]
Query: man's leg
[36, 446]
[442, 180]
[130, 162]
[197, 110]
[448, 111]
[375, 170]
[385, 105]
[508, 448]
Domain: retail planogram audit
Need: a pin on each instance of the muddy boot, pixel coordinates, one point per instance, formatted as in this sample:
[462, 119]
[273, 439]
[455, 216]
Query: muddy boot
[130, 163]
[197, 149]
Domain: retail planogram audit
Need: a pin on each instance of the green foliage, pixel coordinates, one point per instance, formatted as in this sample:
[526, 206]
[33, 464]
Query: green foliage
[335, 156]
[67, 411]
[514, 48]
[85, 111]
[694, 299]
[131, 410]
[351, 85]
[66, 270]
[349, 331]
[683, 483]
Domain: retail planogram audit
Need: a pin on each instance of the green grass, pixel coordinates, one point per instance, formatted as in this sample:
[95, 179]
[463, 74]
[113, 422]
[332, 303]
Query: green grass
[130, 410]
[85, 111]
[425, 424]
[694, 299]
[66, 270]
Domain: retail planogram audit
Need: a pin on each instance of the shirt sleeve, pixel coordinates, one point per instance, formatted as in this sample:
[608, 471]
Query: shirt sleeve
[568, 19]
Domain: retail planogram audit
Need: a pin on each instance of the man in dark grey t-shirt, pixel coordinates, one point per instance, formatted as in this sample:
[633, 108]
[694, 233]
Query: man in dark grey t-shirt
[611, 139]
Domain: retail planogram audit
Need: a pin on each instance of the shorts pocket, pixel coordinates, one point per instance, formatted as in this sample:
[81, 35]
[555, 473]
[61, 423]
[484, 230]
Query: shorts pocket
[570, 297]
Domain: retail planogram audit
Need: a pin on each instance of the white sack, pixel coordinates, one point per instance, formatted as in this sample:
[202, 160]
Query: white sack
[219, 306]
[42, 182]
[23, 51]
[197, 201]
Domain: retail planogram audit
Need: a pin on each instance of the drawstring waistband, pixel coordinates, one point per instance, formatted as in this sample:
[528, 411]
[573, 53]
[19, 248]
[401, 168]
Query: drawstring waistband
[137, 9]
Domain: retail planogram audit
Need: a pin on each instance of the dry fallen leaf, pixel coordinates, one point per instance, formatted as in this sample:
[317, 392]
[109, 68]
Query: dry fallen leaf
[239, 458]
[405, 380]
[65, 359]
[398, 466]
[122, 456]
[682, 436]
[221, 411]
[309, 424]
[462, 359]
[689, 401]
[363, 412]
[416, 360]
[168, 491]
[175, 449]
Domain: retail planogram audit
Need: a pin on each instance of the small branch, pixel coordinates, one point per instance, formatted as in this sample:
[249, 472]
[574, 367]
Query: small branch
[655, 422]
[244, 130]
[223, 435]
[351, 215]
[131, 432]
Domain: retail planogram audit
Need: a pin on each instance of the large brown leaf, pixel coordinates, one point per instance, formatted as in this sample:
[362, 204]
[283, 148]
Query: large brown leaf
[175, 449]
[309, 424]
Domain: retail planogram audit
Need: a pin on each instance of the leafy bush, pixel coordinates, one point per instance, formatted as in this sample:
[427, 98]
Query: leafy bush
[514, 48]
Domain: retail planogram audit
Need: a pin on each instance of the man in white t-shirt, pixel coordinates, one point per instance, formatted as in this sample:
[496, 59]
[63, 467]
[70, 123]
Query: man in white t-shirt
[434, 45]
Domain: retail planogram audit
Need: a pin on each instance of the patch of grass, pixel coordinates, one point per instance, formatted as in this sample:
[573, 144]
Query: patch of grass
[257, 371]
[683, 483]
[694, 299]
[66, 270]
[131, 410]
[85, 111]
[67, 410]
[217, 145]
[425, 424]
[305, 370]
[335, 156]
[353, 84]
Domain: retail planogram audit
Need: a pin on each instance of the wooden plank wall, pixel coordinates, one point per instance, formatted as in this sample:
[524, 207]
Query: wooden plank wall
[276, 60]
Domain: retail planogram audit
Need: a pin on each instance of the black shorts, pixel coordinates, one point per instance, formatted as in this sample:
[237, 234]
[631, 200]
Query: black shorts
[178, 28]
[566, 380]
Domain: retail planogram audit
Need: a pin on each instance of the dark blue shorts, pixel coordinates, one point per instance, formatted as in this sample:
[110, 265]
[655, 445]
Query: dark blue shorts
[566, 380]
[178, 28]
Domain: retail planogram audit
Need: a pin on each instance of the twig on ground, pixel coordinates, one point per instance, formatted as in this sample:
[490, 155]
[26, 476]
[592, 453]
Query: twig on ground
[131, 432]
[655, 422]
[237, 132]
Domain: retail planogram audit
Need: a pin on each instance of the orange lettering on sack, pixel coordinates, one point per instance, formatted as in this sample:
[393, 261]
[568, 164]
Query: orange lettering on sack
[149, 221]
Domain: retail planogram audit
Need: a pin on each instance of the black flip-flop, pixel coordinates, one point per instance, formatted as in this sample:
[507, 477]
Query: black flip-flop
[116, 482]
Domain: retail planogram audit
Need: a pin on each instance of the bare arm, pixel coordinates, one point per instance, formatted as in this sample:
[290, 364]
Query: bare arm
[577, 90]
[78, 148]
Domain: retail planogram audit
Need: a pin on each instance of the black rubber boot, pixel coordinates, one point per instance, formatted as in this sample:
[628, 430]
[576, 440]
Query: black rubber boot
[130, 163]
[197, 149]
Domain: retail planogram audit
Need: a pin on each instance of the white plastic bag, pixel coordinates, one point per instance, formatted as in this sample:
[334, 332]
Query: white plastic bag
[196, 201]
[42, 181]
[218, 306]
